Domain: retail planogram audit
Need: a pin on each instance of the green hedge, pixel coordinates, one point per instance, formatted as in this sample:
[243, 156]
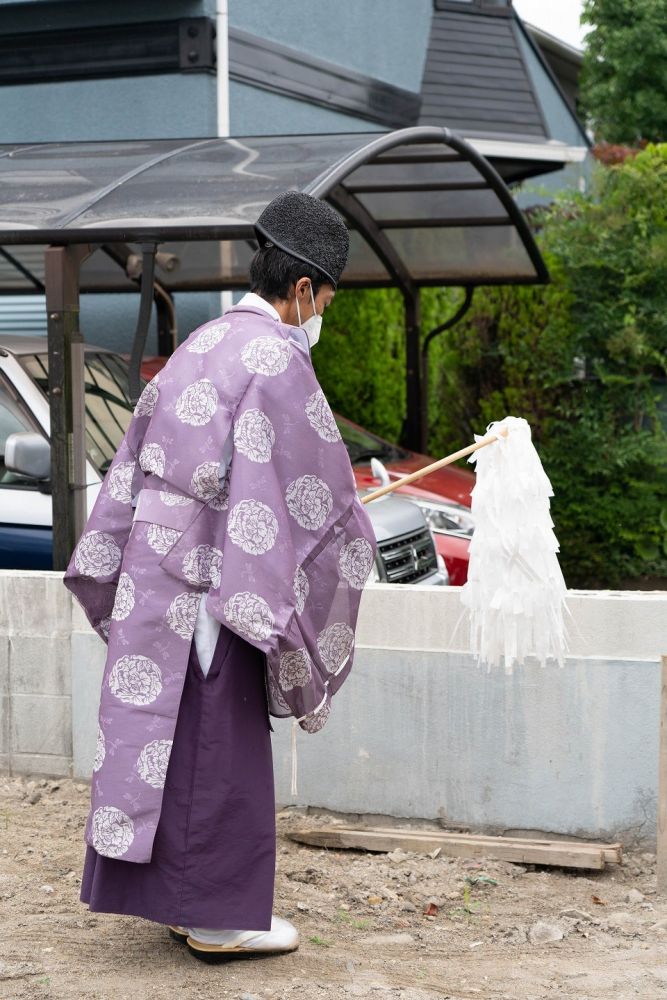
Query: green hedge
[360, 359]
[583, 359]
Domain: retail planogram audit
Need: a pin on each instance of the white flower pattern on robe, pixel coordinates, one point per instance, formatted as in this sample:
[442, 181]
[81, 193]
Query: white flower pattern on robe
[356, 561]
[301, 589]
[197, 403]
[206, 485]
[182, 614]
[97, 555]
[152, 459]
[266, 355]
[174, 499]
[309, 501]
[124, 601]
[335, 644]
[295, 669]
[120, 482]
[100, 750]
[147, 400]
[208, 338]
[113, 831]
[276, 694]
[254, 435]
[202, 566]
[252, 526]
[153, 761]
[320, 417]
[221, 500]
[104, 627]
[161, 539]
[315, 721]
[135, 680]
[250, 615]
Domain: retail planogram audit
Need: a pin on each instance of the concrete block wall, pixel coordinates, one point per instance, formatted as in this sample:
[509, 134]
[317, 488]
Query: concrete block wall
[35, 673]
[418, 730]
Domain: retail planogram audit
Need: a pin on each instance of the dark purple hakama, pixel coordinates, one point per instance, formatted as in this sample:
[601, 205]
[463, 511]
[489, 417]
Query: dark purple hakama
[213, 861]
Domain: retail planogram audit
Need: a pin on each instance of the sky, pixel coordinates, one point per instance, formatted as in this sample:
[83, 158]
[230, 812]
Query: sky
[558, 17]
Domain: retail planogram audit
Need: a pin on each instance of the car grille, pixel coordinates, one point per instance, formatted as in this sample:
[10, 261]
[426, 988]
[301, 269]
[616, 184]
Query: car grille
[409, 557]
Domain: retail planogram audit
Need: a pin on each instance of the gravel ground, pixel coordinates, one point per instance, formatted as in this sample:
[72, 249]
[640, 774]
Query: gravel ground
[383, 926]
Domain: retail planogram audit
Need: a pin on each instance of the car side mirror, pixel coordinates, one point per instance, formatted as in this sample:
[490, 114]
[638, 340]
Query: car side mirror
[379, 471]
[28, 454]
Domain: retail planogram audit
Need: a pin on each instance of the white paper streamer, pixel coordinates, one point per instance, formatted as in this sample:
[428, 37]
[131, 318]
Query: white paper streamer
[515, 592]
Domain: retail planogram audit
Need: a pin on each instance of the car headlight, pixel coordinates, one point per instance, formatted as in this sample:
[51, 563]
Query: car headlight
[445, 518]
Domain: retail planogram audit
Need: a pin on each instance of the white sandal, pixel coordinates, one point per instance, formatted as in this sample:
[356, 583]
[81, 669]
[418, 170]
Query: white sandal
[212, 946]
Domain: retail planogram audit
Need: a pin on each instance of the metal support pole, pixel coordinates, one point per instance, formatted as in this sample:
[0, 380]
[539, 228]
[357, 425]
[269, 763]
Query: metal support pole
[447, 325]
[66, 398]
[165, 312]
[361, 219]
[412, 437]
[148, 251]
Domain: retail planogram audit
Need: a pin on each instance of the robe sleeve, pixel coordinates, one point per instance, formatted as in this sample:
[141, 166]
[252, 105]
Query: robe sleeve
[94, 569]
[297, 545]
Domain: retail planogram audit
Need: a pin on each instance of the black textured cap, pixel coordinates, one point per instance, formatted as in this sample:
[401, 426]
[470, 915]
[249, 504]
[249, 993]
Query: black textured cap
[308, 229]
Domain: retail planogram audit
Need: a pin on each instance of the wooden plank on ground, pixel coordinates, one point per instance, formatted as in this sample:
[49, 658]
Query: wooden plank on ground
[612, 853]
[557, 853]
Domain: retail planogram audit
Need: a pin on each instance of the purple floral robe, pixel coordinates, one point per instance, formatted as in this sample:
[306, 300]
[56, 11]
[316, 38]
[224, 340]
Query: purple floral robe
[281, 546]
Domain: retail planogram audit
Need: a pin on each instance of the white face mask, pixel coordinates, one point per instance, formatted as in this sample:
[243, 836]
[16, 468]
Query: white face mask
[313, 325]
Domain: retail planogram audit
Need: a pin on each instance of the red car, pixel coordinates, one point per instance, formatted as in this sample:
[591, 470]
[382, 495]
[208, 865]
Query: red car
[443, 496]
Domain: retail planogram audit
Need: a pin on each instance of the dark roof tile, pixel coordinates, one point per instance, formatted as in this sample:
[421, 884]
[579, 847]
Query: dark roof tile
[475, 77]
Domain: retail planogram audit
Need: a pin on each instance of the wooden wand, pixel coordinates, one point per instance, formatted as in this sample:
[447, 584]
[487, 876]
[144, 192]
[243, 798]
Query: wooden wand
[433, 467]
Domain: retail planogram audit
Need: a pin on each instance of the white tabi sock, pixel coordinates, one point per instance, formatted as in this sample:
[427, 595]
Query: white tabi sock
[210, 936]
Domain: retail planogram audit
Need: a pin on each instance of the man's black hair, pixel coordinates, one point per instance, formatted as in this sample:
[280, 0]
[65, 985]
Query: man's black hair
[273, 273]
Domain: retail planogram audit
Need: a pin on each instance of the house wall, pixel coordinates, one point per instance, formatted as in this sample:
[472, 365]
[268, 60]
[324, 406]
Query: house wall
[173, 105]
[134, 107]
[253, 111]
[384, 39]
[418, 730]
[563, 127]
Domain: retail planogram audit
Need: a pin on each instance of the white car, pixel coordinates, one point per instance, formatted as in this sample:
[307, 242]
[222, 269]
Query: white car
[406, 553]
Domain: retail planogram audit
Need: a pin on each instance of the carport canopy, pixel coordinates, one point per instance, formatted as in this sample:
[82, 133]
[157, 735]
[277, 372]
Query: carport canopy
[422, 205]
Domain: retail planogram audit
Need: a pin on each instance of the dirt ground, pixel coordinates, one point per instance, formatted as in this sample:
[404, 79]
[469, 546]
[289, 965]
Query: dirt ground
[364, 929]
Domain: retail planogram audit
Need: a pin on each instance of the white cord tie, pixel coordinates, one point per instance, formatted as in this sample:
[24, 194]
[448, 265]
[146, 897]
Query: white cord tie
[295, 727]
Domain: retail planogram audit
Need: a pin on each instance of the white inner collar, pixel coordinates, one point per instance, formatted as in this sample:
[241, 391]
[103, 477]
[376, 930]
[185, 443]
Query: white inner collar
[254, 301]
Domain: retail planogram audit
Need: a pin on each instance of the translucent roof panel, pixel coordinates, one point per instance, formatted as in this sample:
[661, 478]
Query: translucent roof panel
[495, 252]
[424, 205]
[198, 199]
